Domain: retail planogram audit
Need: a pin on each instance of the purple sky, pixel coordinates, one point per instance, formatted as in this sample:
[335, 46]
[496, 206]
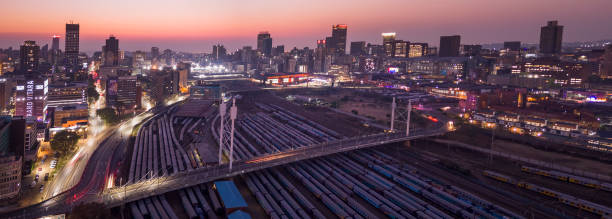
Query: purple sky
[195, 25]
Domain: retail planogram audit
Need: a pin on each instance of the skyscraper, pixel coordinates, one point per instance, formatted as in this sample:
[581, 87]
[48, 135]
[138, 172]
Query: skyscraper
[330, 46]
[218, 52]
[154, 52]
[358, 48]
[55, 42]
[72, 46]
[30, 96]
[264, 43]
[449, 46]
[55, 51]
[29, 56]
[110, 51]
[388, 43]
[339, 36]
[606, 63]
[551, 37]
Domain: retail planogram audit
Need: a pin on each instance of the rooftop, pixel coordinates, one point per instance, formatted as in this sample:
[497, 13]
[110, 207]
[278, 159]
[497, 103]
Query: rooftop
[229, 194]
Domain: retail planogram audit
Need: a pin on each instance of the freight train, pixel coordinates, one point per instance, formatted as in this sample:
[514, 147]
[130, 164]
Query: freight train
[604, 211]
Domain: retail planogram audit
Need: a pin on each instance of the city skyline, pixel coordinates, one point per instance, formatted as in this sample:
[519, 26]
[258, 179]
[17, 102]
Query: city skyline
[224, 23]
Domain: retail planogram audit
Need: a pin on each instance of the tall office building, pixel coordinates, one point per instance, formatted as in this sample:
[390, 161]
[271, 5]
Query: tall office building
[400, 49]
[417, 50]
[55, 42]
[606, 64]
[264, 43]
[55, 49]
[154, 52]
[110, 52]
[551, 37]
[72, 46]
[44, 52]
[449, 46]
[512, 45]
[128, 92]
[358, 48]
[330, 46]
[218, 52]
[339, 38]
[29, 56]
[388, 43]
[30, 96]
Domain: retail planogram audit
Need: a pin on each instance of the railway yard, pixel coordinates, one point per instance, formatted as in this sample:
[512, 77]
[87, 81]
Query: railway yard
[419, 179]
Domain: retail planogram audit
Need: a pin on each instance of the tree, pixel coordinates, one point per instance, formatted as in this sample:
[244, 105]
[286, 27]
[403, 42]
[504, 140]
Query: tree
[92, 94]
[64, 141]
[108, 115]
[90, 211]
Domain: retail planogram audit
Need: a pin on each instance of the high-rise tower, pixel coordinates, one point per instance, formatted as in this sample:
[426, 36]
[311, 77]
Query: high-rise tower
[72, 46]
[339, 38]
[551, 37]
[29, 56]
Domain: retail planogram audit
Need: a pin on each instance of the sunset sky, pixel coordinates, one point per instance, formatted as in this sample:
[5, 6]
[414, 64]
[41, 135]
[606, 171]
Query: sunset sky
[195, 25]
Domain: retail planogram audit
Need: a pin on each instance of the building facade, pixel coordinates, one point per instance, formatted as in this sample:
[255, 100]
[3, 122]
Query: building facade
[71, 51]
[449, 46]
[551, 37]
[29, 56]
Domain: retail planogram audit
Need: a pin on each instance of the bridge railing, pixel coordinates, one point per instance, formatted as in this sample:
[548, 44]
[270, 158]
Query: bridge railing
[180, 180]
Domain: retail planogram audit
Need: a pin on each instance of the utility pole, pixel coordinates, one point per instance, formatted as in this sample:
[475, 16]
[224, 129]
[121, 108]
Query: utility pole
[492, 140]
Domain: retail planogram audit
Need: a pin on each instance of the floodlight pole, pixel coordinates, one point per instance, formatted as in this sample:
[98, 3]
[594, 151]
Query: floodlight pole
[222, 109]
[393, 105]
[408, 118]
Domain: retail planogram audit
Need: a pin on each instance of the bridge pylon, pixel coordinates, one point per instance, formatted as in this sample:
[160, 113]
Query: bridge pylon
[226, 131]
[400, 114]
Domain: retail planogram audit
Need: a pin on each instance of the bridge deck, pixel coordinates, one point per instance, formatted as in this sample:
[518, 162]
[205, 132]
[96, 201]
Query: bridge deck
[157, 186]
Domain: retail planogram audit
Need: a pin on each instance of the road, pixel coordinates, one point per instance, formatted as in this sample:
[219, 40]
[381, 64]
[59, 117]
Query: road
[94, 172]
[71, 173]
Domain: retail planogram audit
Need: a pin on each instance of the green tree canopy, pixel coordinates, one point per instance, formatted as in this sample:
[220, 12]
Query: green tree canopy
[92, 94]
[64, 141]
[108, 115]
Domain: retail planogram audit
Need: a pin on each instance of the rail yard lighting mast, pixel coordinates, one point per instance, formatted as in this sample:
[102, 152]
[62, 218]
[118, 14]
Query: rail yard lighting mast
[393, 105]
[222, 109]
[408, 118]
